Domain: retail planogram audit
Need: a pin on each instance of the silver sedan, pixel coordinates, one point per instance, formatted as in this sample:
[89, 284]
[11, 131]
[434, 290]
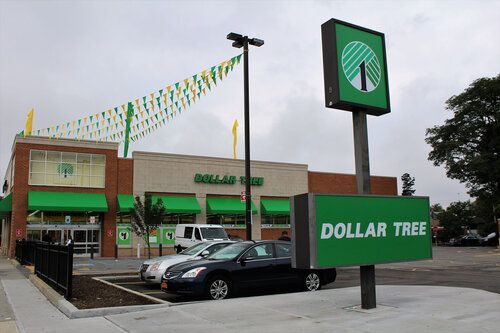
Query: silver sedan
[151, 270]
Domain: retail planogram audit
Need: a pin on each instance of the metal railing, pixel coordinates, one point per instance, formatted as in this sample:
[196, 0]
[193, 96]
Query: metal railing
[53, 263]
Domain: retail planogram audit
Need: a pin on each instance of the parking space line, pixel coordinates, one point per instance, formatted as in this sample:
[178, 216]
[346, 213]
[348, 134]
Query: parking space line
[152, 292]
[135, 282]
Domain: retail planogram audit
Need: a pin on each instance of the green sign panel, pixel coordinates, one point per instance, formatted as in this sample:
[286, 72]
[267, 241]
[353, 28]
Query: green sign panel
[342, 230]
[168, 235]
[355, 68]
[124, 235]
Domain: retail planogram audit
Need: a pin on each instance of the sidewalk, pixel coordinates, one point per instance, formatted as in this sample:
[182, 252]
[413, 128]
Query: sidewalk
[82, 266]
[400, 309]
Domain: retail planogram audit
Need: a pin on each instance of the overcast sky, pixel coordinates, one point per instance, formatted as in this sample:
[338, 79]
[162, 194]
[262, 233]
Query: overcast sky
[69, 59]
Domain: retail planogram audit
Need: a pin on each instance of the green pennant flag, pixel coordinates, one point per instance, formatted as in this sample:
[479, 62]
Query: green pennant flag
[176, 104]
[91, 118]
[156, 116]
[233, 60]
[238, 57]
[194, 77]
[214, 79]
[147, 111]
[57, 128]
[227, 69]
[189, 102]
[136, 117]
[163, 121]
[121, 116]
[184, 91]
[158, 102]
[79, 122]
[177, 85]
[147, 121]
[198, 95]
[116, 110]
[77, 131]
[161, 92]
[97, 124]
[87, 128]
[103, 114]
[145, 106]
[67, 125]
[109, 121]
[213, 70]
[144, 99]
[209, 87]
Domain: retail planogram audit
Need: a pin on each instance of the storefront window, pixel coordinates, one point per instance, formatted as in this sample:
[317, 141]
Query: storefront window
[236, 219]
[40, 217]
[275, 220]
[179, 218]
[55, 168]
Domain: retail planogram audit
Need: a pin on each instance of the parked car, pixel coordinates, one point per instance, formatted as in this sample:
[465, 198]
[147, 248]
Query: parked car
[187, 235]
[235, 238]
[467, 240]
[490, 240]
[152, 270]
[239, 266]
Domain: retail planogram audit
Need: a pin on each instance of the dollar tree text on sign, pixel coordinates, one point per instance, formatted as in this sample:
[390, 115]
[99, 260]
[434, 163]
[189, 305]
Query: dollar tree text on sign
[343, 230]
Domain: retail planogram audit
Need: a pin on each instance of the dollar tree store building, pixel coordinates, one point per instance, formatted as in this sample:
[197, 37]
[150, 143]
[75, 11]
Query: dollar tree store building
[84, 190]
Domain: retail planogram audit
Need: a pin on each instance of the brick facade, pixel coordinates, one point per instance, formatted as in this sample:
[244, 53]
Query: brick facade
[340, 183]
[21, 188]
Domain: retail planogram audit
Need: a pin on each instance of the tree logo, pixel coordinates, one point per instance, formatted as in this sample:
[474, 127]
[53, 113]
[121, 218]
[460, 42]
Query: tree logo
[124, 235]
[361, 66]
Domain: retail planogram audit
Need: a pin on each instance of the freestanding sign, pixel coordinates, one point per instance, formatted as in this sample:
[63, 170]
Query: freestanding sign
[343, 230]
[355, 68]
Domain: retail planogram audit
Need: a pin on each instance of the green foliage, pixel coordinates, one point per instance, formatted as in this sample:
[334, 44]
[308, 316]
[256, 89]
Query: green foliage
[436, 209]
[408, 183]
[146, 217]
[468, 144]
[456, 219]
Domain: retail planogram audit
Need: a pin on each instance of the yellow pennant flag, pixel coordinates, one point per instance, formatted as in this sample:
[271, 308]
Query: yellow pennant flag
[235, 137]
[29, 123]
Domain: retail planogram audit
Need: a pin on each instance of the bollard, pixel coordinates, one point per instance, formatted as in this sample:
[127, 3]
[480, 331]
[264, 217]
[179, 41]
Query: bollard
[160, 249]
[116, 251]
[138, 250]
[91, 251]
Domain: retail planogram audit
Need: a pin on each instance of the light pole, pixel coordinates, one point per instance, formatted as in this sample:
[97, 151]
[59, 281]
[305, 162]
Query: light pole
[238, 42]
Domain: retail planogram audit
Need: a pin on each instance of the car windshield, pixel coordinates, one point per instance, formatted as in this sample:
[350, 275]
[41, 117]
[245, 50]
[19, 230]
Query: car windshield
[190, 251]
[213, 233]
[229, 252]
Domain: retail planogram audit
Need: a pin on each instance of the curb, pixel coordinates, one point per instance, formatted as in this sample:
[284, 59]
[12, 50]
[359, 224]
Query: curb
[72, 312]
[154, 299]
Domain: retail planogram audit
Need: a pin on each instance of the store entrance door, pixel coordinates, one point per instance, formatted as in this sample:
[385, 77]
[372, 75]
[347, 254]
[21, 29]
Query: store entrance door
[84, 239]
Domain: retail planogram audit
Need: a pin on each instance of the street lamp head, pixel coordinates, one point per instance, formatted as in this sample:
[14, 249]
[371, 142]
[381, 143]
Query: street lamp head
[256, 42]
[234, 36]
[238, 44]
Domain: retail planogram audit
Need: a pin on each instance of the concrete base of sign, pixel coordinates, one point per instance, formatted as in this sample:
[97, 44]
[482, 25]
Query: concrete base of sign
[379, 308]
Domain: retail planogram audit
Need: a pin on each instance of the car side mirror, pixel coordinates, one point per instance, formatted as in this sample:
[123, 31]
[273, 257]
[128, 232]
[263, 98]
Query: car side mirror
[243, 262]
[204, 253]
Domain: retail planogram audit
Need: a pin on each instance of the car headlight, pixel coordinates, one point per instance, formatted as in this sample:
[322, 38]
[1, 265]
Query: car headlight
[193, 272]
[155, 267]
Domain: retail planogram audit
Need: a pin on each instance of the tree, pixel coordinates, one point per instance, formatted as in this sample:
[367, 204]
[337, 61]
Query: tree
[468, 144]
[408, 183]
[146, 217]
[456, 219]
[436, 209]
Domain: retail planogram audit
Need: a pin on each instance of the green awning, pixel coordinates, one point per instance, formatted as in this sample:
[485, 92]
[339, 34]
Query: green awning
[178, 204]
[6, 204]
[227, 206]
[67, 202]
[125, 202]
[275, 207]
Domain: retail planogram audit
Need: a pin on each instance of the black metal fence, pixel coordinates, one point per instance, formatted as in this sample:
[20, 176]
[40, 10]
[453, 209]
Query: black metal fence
[53, 263]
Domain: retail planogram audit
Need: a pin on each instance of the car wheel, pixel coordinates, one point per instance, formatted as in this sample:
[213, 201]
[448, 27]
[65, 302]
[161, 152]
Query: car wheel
[312, 281]
[218, 288]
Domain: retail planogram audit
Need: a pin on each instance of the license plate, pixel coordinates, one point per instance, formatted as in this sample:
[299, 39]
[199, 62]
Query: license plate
[164, 285]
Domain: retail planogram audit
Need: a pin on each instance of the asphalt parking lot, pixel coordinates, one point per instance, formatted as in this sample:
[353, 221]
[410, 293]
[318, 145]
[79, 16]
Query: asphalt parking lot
[477, 268]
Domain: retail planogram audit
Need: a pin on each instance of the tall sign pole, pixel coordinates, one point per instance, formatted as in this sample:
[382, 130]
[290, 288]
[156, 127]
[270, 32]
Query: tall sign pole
[355, 73]
[130, 114]
[362, 161]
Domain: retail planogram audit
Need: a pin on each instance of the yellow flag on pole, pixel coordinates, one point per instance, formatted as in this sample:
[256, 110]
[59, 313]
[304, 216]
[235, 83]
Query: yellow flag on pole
[235, 137]
[29, 123]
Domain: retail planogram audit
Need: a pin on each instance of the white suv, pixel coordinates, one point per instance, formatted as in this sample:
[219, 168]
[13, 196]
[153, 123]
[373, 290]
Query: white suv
[187, 235]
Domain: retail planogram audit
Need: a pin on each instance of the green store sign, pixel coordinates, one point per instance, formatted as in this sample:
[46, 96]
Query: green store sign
[225, 179]
[355, 68]
[360, 230]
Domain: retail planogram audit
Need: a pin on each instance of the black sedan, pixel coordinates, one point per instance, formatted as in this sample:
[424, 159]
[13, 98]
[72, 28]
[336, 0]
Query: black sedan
[239, 266]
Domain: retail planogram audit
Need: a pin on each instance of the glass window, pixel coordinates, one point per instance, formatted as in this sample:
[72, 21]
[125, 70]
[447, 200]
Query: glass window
[197, 234]
[38, 155]
[283, 250]
[263, 251]
[188, 232]
[67, 169]
[275, 219]
[230, 251]
[213, 233]
[216, 247]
